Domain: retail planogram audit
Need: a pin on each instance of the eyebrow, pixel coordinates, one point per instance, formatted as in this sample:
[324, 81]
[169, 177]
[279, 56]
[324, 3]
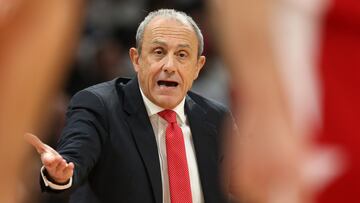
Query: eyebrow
[164, 44]
[184, 46]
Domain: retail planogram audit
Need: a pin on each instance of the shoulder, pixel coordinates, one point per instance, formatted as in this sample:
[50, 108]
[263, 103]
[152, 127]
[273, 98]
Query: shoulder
[99, 94]
[105, 89]
[209, 111]
[209, 105]
[102, 91]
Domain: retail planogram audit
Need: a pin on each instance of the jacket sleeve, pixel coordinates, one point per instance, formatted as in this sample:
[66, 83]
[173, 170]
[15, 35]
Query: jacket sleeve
[83, 135]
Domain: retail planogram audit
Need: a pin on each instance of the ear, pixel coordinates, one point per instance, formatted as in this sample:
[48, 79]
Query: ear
[134, 57]
[199, 65]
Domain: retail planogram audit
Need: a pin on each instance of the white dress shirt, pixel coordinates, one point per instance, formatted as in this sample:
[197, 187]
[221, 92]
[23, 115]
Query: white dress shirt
[159, 126]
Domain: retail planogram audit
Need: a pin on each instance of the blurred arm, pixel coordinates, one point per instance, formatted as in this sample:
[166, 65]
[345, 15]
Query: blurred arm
[36, 40]
[268, 152]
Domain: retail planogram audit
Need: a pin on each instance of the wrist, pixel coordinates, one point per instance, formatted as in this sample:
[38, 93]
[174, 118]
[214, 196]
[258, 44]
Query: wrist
[54, 180]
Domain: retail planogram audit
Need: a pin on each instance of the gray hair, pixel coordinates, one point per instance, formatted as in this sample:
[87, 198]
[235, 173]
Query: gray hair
[173, 14]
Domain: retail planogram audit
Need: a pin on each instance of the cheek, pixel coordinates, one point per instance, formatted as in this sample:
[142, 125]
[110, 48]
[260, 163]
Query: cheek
[189, 75]
[187, 81]
[151, 74]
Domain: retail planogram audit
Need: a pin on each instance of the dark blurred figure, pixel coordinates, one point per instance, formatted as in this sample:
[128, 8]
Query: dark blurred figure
[110, 60]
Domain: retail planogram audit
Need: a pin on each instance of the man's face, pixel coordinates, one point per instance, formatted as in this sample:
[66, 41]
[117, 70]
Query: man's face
[168, 63]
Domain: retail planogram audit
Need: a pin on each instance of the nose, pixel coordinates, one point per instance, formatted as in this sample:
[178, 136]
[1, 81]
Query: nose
[169, 64]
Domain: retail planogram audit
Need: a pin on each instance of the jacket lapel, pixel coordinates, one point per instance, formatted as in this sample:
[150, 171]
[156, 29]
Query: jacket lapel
[143, 134]
[204, 139]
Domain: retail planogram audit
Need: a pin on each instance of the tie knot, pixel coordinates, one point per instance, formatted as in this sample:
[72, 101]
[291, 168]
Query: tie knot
[168, 115]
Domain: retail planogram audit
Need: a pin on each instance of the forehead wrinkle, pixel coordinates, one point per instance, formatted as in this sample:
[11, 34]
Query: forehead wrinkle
[157, 41]
[177, 35]
[183, 30]
[181, 37]
[172, 34]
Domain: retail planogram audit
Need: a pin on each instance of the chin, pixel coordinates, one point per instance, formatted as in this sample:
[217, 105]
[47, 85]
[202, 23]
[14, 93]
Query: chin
[168, 103]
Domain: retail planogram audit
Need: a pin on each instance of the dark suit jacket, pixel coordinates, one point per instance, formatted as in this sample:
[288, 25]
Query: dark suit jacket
[109, 137]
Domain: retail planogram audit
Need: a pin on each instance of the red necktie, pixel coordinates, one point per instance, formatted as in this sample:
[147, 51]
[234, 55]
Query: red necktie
[179, 181]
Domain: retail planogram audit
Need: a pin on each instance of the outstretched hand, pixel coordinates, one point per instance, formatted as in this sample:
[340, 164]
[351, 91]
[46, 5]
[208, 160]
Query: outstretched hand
[56, 166]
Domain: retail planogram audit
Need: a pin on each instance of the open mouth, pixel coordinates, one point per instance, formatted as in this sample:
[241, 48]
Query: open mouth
[167, 83]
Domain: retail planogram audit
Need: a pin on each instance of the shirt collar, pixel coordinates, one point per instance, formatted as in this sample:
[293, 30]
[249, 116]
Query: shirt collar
[153, 109]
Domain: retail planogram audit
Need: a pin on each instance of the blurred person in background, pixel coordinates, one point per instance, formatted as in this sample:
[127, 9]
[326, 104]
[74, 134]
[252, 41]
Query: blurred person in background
[294, 70]
[36, 40]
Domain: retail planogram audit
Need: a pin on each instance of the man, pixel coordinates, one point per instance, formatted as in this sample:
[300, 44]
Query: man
[119, 138]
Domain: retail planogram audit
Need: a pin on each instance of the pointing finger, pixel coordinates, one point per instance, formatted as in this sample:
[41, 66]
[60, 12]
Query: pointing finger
[36, 142]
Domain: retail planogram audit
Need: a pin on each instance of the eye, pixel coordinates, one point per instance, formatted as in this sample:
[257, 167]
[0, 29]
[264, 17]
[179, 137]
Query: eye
[182, 54]
[158, 51]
